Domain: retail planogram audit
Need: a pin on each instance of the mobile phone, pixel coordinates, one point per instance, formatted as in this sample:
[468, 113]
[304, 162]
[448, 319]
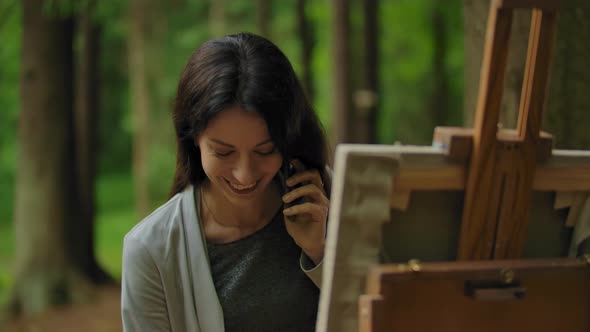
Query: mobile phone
[287, 170]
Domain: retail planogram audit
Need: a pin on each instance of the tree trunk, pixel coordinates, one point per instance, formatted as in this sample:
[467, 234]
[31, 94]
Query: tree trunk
[366, 98]
[305, 28]
[567, 113]
[140, 103]
[45, 199]
[439, 102]
[86, 124]
[567, 107]
[475, 14]
[153, 140]
[263, 17]
[341, 102]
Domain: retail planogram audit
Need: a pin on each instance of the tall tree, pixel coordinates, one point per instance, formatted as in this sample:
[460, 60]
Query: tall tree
[46, 199]
[263, 17]
[475, 13]
[153, 143]
[341, 102]
[567, 103]
[567, 112]
[86, 141]
[366, 98]
[150, 92]
[306, 35]
[140, 101]
[439, 101]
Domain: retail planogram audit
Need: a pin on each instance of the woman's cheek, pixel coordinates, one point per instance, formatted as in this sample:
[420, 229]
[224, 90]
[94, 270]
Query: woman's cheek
[273, 165]
[212, 165]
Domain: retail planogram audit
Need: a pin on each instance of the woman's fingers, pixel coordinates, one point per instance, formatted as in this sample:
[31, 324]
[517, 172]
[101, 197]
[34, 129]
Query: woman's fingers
[311, 176]
[310, 187]
[316, 211]
[316, 194]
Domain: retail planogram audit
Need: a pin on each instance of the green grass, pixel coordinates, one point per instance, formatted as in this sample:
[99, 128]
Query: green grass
[115, 217]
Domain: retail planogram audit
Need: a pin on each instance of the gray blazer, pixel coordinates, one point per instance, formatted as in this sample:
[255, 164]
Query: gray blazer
[166, 280]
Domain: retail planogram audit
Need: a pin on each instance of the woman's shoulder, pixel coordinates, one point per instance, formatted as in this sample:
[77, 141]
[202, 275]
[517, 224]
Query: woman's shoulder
[156, 231]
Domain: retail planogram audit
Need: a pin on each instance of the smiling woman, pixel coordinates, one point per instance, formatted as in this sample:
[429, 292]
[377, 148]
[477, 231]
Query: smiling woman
[240, 162]
[223, 254]
[239, 156]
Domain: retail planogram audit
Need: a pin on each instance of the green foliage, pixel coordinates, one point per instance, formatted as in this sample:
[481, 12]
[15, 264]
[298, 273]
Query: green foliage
[60, 8]
[406, 68]
[114, 131]
[115, 218]
[405, 74]
[10, 32]
[453, 14]
[6, 253]
[320, 16]
[101, 10]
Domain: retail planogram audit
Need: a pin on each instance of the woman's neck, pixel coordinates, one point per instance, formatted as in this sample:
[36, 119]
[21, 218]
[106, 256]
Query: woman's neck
[225, 222]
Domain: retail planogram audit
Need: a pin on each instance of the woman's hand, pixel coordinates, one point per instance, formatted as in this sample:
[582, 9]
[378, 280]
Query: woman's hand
[308, 224]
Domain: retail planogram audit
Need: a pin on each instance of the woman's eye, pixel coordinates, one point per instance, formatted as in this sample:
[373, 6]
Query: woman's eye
[266, 153]
[222, 154]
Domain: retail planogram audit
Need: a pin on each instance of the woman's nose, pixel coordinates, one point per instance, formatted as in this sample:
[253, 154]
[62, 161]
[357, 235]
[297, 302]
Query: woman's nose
[244, 172]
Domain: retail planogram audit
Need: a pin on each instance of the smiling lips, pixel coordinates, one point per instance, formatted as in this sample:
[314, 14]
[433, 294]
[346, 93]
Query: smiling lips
[242, 189]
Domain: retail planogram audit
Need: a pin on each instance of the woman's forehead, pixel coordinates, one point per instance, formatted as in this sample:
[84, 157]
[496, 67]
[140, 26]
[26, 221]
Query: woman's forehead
[237, 127]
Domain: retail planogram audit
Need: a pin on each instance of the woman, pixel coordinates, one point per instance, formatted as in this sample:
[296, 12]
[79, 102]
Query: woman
[226, 252]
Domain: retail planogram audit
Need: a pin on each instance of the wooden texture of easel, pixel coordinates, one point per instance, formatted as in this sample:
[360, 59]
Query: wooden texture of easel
[507, 295]
[497, 170]
[499, 183]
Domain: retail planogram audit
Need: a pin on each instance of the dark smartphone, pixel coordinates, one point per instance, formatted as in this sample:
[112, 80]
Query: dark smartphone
[288, 170]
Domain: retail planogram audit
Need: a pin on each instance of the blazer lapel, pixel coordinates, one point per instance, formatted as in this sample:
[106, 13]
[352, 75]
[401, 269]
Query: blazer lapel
[207, 306]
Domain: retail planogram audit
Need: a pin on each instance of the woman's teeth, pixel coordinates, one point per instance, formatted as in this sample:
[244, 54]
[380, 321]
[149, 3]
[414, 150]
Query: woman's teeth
[242, 187]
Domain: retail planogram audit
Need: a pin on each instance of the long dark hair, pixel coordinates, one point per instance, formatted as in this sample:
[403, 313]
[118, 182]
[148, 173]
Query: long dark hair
[249, 71]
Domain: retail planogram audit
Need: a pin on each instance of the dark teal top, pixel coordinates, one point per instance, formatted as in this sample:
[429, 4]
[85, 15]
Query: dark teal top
[260, 284]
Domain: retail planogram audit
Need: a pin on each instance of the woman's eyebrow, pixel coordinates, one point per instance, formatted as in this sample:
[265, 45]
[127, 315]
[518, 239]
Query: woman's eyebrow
[220, 142]
[264, 142]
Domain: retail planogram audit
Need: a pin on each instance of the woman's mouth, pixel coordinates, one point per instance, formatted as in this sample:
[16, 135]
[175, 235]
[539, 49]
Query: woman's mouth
[242, 189]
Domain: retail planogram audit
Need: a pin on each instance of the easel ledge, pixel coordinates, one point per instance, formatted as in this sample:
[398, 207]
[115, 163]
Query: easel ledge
[565, 170]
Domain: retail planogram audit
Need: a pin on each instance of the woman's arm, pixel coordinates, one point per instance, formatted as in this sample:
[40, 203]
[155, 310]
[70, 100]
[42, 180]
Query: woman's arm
[143, 304]
[309, 228]
[312, 270]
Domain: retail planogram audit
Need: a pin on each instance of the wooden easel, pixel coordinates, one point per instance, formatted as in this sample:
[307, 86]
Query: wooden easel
[497, 170]
[484, 296]
[502, 162]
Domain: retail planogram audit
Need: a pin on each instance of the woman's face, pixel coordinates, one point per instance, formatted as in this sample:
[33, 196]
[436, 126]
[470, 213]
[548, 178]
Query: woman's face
[238, 155]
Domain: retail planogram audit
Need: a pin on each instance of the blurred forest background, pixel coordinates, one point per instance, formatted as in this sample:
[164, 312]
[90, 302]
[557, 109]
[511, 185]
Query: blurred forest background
[87, 87]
